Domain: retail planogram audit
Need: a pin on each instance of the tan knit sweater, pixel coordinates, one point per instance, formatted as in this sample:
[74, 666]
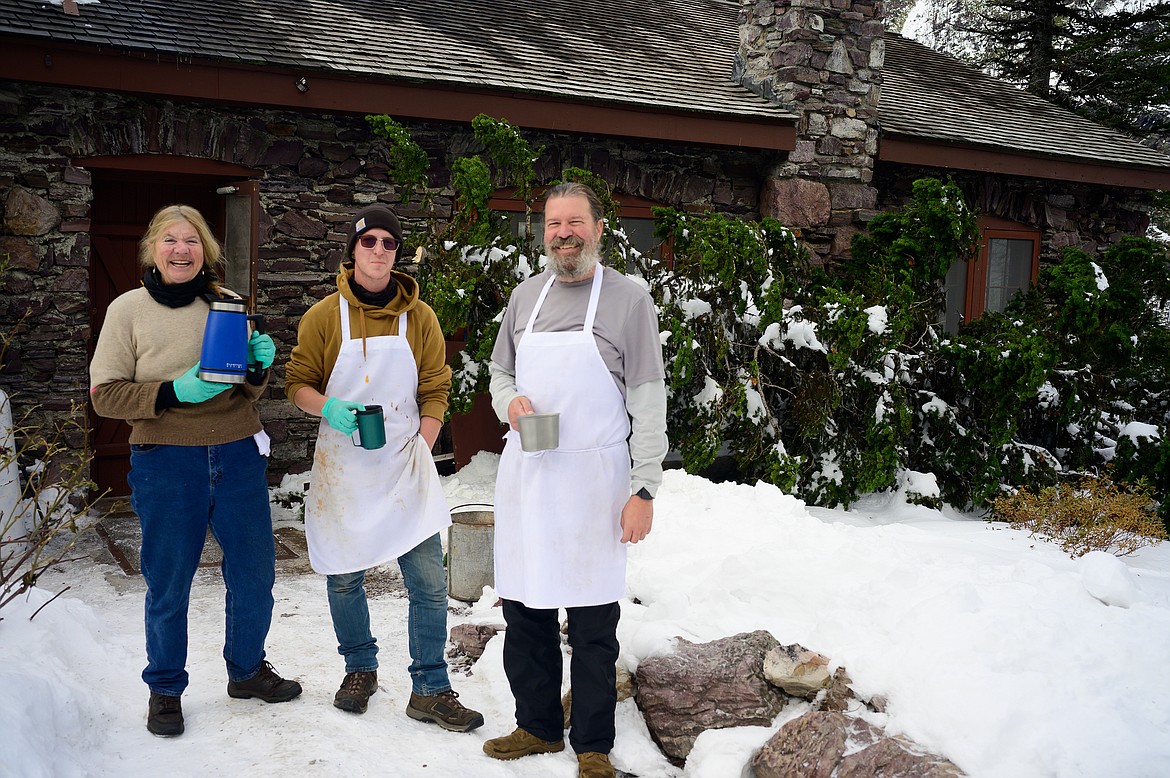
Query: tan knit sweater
[144, 344]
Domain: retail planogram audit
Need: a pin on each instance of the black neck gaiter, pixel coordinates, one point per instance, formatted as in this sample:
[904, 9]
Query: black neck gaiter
[379, 299]
[176, 295]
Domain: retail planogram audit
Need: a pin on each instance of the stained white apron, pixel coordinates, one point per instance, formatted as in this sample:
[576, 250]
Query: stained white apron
[558, 512]
[364, 508]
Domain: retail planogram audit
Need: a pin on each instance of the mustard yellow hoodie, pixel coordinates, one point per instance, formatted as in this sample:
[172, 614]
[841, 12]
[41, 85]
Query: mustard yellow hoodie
[319, 340]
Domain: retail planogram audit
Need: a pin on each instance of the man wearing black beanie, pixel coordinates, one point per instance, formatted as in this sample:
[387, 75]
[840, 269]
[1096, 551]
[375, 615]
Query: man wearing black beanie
[373, 344]
[368, 218]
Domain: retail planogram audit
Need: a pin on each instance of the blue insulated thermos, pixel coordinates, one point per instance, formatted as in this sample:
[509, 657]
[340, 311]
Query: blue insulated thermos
[224, 358]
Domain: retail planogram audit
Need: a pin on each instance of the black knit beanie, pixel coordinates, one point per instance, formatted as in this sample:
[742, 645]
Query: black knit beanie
[368, 218]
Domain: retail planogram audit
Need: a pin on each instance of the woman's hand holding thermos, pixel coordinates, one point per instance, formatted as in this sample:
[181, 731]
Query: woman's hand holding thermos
[261, 350]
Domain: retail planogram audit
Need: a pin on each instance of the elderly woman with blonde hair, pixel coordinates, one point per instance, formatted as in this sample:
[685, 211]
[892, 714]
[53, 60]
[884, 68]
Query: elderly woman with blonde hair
[196, 462]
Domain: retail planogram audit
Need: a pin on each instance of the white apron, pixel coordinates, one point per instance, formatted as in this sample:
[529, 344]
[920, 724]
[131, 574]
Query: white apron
[558, 512]
[364, 507]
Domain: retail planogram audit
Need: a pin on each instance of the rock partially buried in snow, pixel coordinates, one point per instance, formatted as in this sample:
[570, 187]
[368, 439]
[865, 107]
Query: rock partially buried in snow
[470, 639]
[705, 686]
[797, 670]
[832, 745]
[1108, 579]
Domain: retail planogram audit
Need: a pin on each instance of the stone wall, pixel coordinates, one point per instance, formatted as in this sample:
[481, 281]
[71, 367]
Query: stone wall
[317, 169]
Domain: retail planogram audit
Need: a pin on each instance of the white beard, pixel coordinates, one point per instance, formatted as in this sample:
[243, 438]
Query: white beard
[573, 268]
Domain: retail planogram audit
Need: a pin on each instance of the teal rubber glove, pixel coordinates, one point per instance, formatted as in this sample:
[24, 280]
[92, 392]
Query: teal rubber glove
[261, 350]
[190, 388]
[341, 414]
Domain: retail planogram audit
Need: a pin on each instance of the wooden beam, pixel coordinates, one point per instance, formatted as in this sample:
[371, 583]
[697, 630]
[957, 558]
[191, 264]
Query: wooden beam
[166, 164]
[165, 76]
[917, 151]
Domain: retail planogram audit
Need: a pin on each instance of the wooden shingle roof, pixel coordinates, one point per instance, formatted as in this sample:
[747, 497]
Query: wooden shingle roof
[929, 95]
[664, 58]
[667, 54]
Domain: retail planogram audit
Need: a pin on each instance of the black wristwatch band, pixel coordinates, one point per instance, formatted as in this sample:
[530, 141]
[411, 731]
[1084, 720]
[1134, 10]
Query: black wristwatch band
[644, 493]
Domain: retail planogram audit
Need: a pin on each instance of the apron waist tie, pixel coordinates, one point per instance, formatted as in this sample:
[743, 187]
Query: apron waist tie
[606, 447]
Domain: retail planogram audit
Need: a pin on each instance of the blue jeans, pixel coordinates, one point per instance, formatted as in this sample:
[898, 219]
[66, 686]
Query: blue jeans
[178, 492]
[426, 624]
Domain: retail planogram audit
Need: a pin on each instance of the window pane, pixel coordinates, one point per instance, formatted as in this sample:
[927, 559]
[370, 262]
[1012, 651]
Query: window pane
[238, 241]
[519, 226]
[956, 297]
[1009, 270]
[1019, 264]
[997, 261]
[639, 231]
[996, 299]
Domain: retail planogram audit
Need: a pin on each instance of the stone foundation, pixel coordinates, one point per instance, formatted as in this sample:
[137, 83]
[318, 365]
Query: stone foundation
[315, 171]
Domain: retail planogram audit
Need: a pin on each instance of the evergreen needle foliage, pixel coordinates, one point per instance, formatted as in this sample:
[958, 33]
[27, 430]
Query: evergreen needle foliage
[407, 160]
[1109, 63]
[834, 383]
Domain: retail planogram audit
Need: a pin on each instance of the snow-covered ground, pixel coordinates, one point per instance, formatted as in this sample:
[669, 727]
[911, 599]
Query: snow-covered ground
[992, 648]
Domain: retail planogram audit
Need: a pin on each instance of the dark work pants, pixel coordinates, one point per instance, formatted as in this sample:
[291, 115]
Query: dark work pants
[532, 662]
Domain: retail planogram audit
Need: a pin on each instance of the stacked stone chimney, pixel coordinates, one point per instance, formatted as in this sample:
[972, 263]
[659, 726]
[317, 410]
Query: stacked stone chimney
[822, 59]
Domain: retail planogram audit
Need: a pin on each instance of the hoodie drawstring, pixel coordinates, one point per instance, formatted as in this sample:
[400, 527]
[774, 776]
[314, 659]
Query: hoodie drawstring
[362, 320]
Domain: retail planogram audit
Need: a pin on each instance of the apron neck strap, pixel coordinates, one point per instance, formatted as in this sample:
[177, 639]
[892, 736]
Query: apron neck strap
[345, 320]
[590, 314]
[594, 296]
[344, 306]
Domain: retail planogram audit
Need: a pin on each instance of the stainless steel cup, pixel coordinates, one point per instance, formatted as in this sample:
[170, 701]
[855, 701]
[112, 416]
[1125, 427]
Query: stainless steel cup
[540, 431]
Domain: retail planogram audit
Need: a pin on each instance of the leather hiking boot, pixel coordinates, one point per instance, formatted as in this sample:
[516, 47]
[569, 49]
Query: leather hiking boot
[164, 717]
[356, 690]
[520, 743]
[593, 764]
[444, 709]
[265, 685]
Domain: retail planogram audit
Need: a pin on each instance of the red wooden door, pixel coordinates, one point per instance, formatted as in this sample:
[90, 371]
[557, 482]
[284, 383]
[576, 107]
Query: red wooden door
[122, 207]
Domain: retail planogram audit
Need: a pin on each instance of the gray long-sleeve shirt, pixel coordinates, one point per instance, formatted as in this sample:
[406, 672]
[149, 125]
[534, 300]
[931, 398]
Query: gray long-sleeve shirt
[626, 331]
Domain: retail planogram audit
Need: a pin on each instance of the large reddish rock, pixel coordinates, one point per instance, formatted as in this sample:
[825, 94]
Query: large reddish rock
[705, 686]
[796, 202]
[471, 639]
[814, 746]
[18, 252]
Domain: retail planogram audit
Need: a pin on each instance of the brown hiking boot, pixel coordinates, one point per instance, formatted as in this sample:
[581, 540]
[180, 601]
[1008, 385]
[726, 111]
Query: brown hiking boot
[164, 717]
[444, 709]
[593, 764]
[356, 690]
[265, 685]
[520, 743]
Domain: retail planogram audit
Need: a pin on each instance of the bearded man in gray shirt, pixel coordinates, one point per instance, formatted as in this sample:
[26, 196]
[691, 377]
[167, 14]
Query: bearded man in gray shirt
[580, 340]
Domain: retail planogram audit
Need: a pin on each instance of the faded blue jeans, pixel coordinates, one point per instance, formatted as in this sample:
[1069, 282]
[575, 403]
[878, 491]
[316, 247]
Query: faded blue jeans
[426, 621]
[178, 492]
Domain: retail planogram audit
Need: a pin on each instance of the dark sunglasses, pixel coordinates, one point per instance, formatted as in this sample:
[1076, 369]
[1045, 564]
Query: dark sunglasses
[369, 241]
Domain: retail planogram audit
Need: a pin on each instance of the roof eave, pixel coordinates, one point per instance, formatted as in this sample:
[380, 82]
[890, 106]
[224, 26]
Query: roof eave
[174, 76]
[926, 152]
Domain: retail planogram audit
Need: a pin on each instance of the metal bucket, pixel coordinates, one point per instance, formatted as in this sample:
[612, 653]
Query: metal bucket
[470, 552]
